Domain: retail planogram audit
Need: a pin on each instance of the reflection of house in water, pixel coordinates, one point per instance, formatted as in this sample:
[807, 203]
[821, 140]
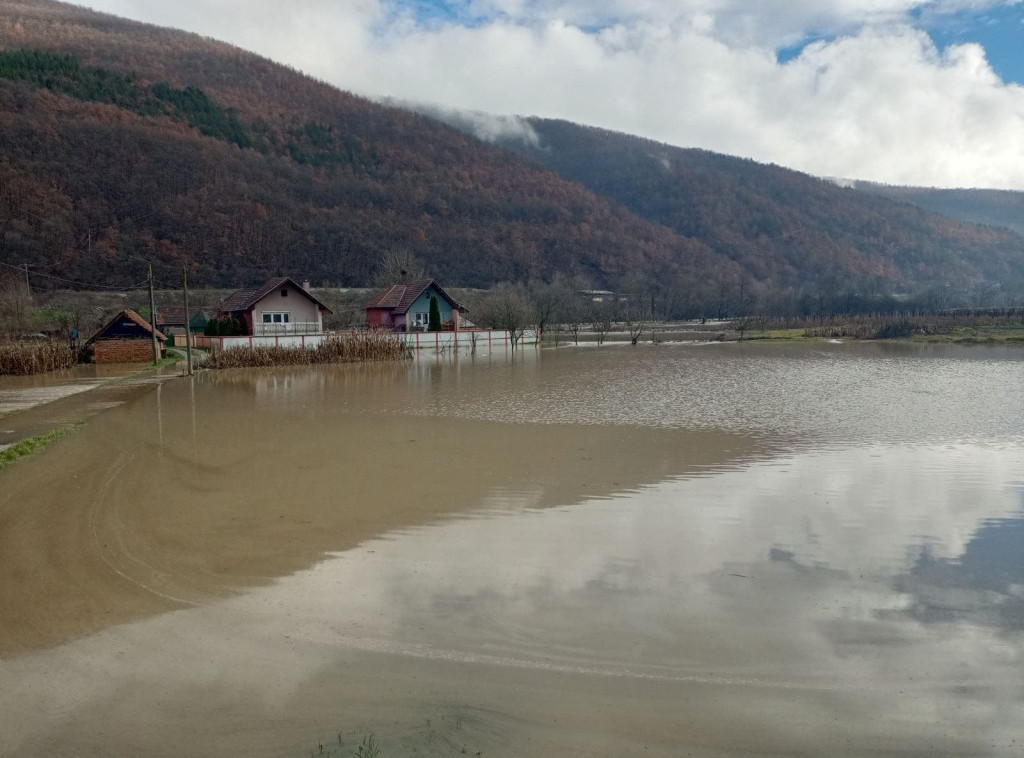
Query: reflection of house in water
[271, 388]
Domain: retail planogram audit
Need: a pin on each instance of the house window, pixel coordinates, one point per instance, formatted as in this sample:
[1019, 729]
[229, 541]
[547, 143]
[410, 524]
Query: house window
[275, 318]
[421, 319]
[284, 293]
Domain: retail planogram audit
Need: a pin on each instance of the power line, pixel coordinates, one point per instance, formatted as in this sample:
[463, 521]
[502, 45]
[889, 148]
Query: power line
[21, 269]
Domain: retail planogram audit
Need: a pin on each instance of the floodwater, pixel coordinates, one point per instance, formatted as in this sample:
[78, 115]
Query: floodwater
[709, 550]
[36, 404]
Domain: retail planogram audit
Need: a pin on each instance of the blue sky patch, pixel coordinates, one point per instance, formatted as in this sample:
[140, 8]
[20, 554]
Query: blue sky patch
[786, 54]
[999, 30]
[431, 13]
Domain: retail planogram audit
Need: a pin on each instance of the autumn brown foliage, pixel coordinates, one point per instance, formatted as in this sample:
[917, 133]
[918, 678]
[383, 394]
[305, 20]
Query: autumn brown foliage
[783, 227]
[153, 144]
[156, 144]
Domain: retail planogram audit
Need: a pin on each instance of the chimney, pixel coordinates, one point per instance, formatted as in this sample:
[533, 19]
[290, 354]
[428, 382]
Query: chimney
[305, 284]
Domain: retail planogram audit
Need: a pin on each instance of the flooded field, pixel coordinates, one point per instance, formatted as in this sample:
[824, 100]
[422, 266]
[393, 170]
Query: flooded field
[710, 550]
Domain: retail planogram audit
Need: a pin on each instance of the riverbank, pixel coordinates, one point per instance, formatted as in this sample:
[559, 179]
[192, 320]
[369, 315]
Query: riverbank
[940, 328]
[9, 453]
[38, 406]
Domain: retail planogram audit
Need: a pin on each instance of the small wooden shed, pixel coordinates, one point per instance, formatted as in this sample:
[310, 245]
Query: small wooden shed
[126, 338]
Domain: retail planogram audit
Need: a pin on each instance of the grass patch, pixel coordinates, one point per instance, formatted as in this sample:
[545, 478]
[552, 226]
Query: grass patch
[972, 327]
[32, 445]
[981, 336]
[171, 358]
[775, 334]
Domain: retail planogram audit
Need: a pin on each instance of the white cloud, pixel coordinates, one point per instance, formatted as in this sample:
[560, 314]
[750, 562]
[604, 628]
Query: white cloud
[489, 127]
[875, 101]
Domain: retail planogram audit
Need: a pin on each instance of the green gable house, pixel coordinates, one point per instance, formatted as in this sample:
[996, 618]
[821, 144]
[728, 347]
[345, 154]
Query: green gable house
[406, 307]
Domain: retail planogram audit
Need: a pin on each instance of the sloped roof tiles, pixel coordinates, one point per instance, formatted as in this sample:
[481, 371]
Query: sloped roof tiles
[400, 297]
[243, 300]
[133, 316]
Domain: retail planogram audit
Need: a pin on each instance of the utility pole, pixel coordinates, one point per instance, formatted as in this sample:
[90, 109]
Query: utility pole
[152, 318]
[188, 328]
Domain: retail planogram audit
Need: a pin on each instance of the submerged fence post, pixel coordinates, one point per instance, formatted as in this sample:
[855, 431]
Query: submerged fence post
[188, 327]
[152, 318]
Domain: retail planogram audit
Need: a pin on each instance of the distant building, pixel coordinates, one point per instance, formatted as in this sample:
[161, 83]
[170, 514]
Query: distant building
[172, 321]
[406, 307]
[278, 307]
[126, 338]
[605, 296]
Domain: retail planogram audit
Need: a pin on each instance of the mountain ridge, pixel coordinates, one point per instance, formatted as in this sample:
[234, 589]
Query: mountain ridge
[122, 142]
[780, 221]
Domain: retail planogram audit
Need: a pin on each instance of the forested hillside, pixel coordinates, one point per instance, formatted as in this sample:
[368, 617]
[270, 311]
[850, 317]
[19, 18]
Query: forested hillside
[122, 143]
[779, 225]
[1002, 208]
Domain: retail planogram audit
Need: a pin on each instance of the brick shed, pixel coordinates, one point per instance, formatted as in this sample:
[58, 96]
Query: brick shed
[126, 338]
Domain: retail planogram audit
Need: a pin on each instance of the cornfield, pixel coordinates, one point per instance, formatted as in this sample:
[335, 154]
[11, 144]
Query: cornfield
[357, 347]
[23, 358]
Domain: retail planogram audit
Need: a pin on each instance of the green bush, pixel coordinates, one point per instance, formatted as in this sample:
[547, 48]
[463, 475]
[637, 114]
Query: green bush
[434, 321]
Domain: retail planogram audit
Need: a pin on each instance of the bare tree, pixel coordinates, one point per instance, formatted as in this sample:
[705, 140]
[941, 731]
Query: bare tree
[507, 307]
[602, 315]
[546, 298]
[397, 266]
[68, 315]
[637, 316]
[17, 311]
[574, 316]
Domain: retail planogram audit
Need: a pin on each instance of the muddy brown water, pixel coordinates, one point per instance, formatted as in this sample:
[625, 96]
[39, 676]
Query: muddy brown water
[663, 550]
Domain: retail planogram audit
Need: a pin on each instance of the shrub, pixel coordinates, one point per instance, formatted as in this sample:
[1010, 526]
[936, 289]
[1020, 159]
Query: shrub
[894, 330]
[434, 319]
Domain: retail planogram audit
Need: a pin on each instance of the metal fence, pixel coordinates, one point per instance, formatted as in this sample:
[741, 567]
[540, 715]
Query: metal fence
[291, 328]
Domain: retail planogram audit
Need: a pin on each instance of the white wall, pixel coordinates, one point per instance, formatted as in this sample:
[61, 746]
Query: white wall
[415, 340]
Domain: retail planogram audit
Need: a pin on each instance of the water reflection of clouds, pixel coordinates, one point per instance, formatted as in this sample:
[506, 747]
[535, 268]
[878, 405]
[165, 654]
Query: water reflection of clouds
[782, 574]
[789, 575]
[984, 584]
[812, 539]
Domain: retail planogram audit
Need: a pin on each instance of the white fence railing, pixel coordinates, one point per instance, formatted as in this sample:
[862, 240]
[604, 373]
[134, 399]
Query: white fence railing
[262, 329]
[483, 339]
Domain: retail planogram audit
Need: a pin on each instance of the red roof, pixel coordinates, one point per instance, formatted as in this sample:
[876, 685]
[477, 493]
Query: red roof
[173, 316]
[133, 316]
[244, 300]
[400, 297]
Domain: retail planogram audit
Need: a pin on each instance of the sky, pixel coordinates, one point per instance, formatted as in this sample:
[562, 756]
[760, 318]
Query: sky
[894, 91]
